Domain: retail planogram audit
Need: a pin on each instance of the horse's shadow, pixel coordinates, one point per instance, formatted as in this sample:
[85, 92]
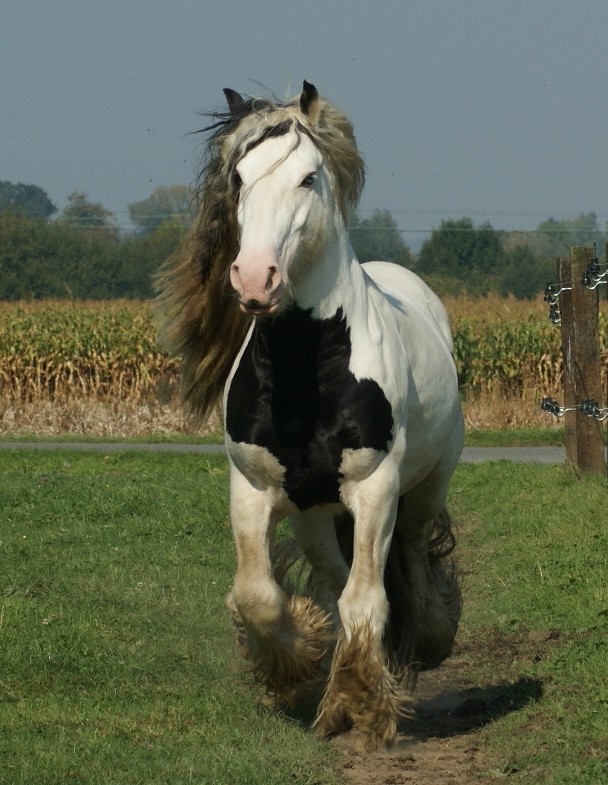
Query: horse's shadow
[457, 712]
[450, 713]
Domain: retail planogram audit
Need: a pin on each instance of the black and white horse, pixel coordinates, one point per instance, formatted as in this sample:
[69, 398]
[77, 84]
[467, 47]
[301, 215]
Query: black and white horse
[341, 413]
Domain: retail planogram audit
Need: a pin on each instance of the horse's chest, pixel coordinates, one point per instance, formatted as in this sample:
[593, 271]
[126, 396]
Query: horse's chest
[299, 400]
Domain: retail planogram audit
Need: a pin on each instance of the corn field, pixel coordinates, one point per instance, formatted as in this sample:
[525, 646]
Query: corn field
[59, 351]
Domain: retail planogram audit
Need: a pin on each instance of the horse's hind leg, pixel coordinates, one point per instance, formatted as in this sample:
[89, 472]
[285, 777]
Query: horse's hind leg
[422, 586]
[315, 534]
[283, 637]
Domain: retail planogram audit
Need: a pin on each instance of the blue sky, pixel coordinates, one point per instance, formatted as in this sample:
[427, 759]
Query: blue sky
[493, 109]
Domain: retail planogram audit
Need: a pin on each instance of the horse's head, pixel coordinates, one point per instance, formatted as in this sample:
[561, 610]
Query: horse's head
[289, 200]
[283, 198]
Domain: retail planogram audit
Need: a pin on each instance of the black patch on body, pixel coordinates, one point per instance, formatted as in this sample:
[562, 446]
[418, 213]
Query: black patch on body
[294, 394]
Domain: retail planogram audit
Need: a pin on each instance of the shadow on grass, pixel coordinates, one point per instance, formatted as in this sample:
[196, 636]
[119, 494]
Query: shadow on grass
[456, 712]
[447, 714]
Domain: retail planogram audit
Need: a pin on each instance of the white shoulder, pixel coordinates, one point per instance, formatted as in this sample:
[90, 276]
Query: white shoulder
[406, 287]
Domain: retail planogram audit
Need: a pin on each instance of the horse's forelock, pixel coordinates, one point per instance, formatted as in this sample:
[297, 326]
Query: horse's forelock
[331, 132]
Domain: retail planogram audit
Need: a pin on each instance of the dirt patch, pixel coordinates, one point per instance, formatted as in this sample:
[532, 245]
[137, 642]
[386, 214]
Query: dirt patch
[442, 742]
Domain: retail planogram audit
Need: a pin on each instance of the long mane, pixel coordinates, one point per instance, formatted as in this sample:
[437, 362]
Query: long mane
[199, 318]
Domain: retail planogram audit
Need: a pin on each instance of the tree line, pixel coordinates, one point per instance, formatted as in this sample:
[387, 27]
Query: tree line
[80, 252]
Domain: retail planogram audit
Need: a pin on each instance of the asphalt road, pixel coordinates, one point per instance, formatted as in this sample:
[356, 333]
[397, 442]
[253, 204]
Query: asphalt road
[469, 455]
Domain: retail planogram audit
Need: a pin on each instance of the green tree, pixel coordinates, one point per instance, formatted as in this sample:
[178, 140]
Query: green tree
[530, 256]
[40, 259]
[170, 202]
[141, 255]
[378, 238]
[523, 274]
[28, 200]
[557, 237]
[459, 250]
[90, 218]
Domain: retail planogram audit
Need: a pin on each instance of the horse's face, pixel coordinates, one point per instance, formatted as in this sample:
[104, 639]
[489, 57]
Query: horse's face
[283, 219]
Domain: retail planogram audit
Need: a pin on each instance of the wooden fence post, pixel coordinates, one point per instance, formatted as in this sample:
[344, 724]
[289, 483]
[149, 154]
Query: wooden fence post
[581, 354]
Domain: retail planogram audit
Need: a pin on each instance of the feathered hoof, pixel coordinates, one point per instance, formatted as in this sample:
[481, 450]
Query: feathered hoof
[331, 720]
[362, 695]
[287, 659]
[363, 742]
[368, 728]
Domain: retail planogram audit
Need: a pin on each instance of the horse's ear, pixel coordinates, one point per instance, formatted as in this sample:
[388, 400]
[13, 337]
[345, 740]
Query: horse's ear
[236, 104]
[310, 104]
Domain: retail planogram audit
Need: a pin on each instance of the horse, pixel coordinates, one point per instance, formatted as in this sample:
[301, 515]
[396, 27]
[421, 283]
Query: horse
[341, 414]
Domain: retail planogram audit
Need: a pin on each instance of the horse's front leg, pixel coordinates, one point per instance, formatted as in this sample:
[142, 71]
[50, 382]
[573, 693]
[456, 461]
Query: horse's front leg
[284, 637]
[362, 693]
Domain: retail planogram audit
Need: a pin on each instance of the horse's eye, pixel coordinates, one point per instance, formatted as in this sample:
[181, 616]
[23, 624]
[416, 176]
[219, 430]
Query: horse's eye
[308, 181]
[237, 181]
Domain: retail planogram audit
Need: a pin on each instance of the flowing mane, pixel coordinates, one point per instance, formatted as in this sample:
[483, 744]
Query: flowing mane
[199, 319]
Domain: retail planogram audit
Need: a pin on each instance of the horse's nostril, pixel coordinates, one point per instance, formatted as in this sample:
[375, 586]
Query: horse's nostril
[272, 272]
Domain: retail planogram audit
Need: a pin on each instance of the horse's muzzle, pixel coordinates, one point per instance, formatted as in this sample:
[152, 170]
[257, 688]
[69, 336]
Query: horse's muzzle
[256, 308]
[257, 282]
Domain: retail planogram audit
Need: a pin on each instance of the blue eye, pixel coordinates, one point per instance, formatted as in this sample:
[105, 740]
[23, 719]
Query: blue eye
[308, 181]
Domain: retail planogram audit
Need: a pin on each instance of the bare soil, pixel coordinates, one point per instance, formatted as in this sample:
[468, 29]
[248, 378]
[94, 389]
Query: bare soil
[443, 741]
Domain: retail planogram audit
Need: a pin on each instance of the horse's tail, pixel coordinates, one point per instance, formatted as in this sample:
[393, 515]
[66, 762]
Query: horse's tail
[424, 598]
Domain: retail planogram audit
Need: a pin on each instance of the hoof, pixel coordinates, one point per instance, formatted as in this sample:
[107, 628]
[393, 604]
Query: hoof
[366, 742]
[331, 721]
[362, 694]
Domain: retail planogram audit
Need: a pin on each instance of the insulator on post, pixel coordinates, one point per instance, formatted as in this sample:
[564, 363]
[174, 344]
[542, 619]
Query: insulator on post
[593, 277]
[551, 405]
[550, 291]
[555, 316]
[590, 407]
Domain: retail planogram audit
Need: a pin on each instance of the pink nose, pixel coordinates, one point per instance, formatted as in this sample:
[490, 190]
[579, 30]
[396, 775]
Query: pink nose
[257, 281]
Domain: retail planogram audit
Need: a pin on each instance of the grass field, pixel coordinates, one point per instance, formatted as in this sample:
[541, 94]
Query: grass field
[536, 561]
[116, 650]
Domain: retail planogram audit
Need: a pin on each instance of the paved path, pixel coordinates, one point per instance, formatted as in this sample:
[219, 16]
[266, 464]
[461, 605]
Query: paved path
[469, 455]
[517, 454]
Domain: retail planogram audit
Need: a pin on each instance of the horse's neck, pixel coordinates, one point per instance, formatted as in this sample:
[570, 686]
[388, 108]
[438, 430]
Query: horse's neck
[294, 341]
[315, 328]
[332, 281]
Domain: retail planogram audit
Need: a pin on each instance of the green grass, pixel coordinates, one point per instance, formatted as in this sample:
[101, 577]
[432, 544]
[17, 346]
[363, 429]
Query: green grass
[115, 645]
[116, 648]
[516, 437]
[536, 556]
